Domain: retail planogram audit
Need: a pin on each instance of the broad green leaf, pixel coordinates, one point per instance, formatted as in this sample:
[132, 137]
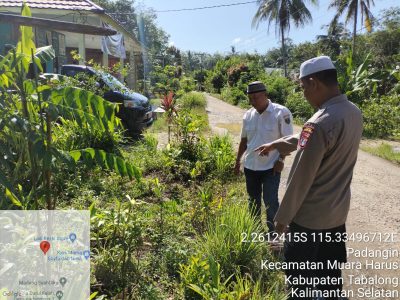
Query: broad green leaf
[13, 198]
[29, 88]
[75, 154]
[110, 161]
[83, 100]
[26, 43]
[4, 80]
[45, 53]
[121, 166]
[91, 152]
[101, 158]
[84, 107]
[38, 63]
[92, 209]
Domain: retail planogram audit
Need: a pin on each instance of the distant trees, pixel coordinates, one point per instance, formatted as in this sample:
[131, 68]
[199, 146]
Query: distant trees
[282, 12]
[143, 25]
[352, 8]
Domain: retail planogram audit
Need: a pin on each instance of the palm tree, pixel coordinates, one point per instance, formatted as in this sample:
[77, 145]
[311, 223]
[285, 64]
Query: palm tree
[330, 42]
[352, 7]
[281, 12]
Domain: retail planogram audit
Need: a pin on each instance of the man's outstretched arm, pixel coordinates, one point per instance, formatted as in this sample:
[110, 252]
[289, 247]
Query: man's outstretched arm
[284, 145]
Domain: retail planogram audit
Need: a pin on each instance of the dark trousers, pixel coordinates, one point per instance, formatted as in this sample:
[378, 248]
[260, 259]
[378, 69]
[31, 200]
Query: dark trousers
[267, 183]
[317, 247]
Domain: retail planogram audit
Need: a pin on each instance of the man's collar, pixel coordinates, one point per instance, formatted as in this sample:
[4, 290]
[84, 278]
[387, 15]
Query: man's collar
[333, 100]
[269, 107]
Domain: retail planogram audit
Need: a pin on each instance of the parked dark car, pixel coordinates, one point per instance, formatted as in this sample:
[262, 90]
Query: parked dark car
[135, 110]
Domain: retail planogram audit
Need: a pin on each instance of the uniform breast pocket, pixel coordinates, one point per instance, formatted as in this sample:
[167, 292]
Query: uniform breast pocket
[270, 130]
[250, 130]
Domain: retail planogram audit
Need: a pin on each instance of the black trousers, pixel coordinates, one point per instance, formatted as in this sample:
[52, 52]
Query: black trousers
[316, 246]
[265, 183]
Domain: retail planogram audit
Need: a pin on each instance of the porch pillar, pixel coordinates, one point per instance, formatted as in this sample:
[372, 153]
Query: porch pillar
[82, 49]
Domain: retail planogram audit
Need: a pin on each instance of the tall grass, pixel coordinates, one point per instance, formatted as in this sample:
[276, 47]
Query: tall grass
[227, 268]
[223, 241]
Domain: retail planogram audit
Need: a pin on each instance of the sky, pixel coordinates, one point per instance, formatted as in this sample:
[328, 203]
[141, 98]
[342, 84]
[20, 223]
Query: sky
[217, 29]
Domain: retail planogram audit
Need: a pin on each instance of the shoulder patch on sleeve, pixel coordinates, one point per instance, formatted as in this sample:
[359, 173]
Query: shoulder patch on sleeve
[305, 135]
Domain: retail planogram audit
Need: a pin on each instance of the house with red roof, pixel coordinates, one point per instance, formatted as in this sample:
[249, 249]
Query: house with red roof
[68, 25]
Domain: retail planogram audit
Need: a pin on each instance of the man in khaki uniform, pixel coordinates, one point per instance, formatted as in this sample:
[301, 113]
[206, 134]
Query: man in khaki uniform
[317, 198]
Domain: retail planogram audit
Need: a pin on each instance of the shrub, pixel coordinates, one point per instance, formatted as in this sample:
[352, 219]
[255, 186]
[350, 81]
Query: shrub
[187, 84]
[236, 72]
[201, 279]
[116, 235]
[233, 95]
[192, 100]
[187, 138]
[382, 117]
[221, 156]
[200, 77]
[215, 82]
[165, 79]
[150, 141]
[200, 272]
[278, 87]
[299, 106]
[205, 208]
[68, 135]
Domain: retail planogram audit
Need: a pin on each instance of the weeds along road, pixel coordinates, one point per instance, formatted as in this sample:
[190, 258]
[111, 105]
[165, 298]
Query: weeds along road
[375, 203]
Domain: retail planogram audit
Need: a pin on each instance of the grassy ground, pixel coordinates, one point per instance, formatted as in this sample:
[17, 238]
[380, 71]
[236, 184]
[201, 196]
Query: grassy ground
[154, 238]
[384, 150]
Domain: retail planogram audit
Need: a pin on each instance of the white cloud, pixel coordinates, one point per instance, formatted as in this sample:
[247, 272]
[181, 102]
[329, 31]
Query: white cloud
[171, 43]
[249, 41]
[236, 40]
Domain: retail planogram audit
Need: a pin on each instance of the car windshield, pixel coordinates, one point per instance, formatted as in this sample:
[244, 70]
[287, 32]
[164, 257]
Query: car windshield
[113, 83]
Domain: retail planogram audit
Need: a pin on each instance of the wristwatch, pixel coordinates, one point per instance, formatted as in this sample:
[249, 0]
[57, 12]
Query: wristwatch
[281, 159]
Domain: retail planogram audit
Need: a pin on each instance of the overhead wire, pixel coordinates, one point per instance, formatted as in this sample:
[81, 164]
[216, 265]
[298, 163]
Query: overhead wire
[196, 8]
[244, 44]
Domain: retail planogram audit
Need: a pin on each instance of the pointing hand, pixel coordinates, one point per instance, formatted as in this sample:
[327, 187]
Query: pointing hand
[264, 149]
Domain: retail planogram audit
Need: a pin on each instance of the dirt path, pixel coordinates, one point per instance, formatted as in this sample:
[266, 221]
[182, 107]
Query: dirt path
[375, 204]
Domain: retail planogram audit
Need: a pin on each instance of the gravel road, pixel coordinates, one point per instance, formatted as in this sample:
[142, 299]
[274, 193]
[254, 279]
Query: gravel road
[374, 213]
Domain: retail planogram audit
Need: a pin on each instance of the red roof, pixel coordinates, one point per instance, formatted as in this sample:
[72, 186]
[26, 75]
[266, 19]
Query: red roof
[85, 5]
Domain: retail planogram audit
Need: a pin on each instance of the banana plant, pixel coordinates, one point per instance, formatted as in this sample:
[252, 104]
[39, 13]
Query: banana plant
[29, 110]
[362, 80]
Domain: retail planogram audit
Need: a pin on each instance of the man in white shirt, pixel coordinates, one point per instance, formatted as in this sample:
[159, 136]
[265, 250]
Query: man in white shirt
[264, 123]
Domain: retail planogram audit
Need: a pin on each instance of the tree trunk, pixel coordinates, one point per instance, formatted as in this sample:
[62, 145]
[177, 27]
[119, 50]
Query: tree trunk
[353, 47]
[283, 51]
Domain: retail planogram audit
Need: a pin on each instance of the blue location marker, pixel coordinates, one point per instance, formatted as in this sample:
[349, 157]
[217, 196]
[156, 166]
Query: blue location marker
[86, 254]
[72, 237]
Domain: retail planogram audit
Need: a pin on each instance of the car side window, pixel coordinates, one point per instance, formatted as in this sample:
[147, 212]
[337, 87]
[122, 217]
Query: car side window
[70, 73]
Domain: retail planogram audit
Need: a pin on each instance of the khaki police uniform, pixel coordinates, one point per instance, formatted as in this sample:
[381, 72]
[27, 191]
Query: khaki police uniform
[318, 187]
[317, 198]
